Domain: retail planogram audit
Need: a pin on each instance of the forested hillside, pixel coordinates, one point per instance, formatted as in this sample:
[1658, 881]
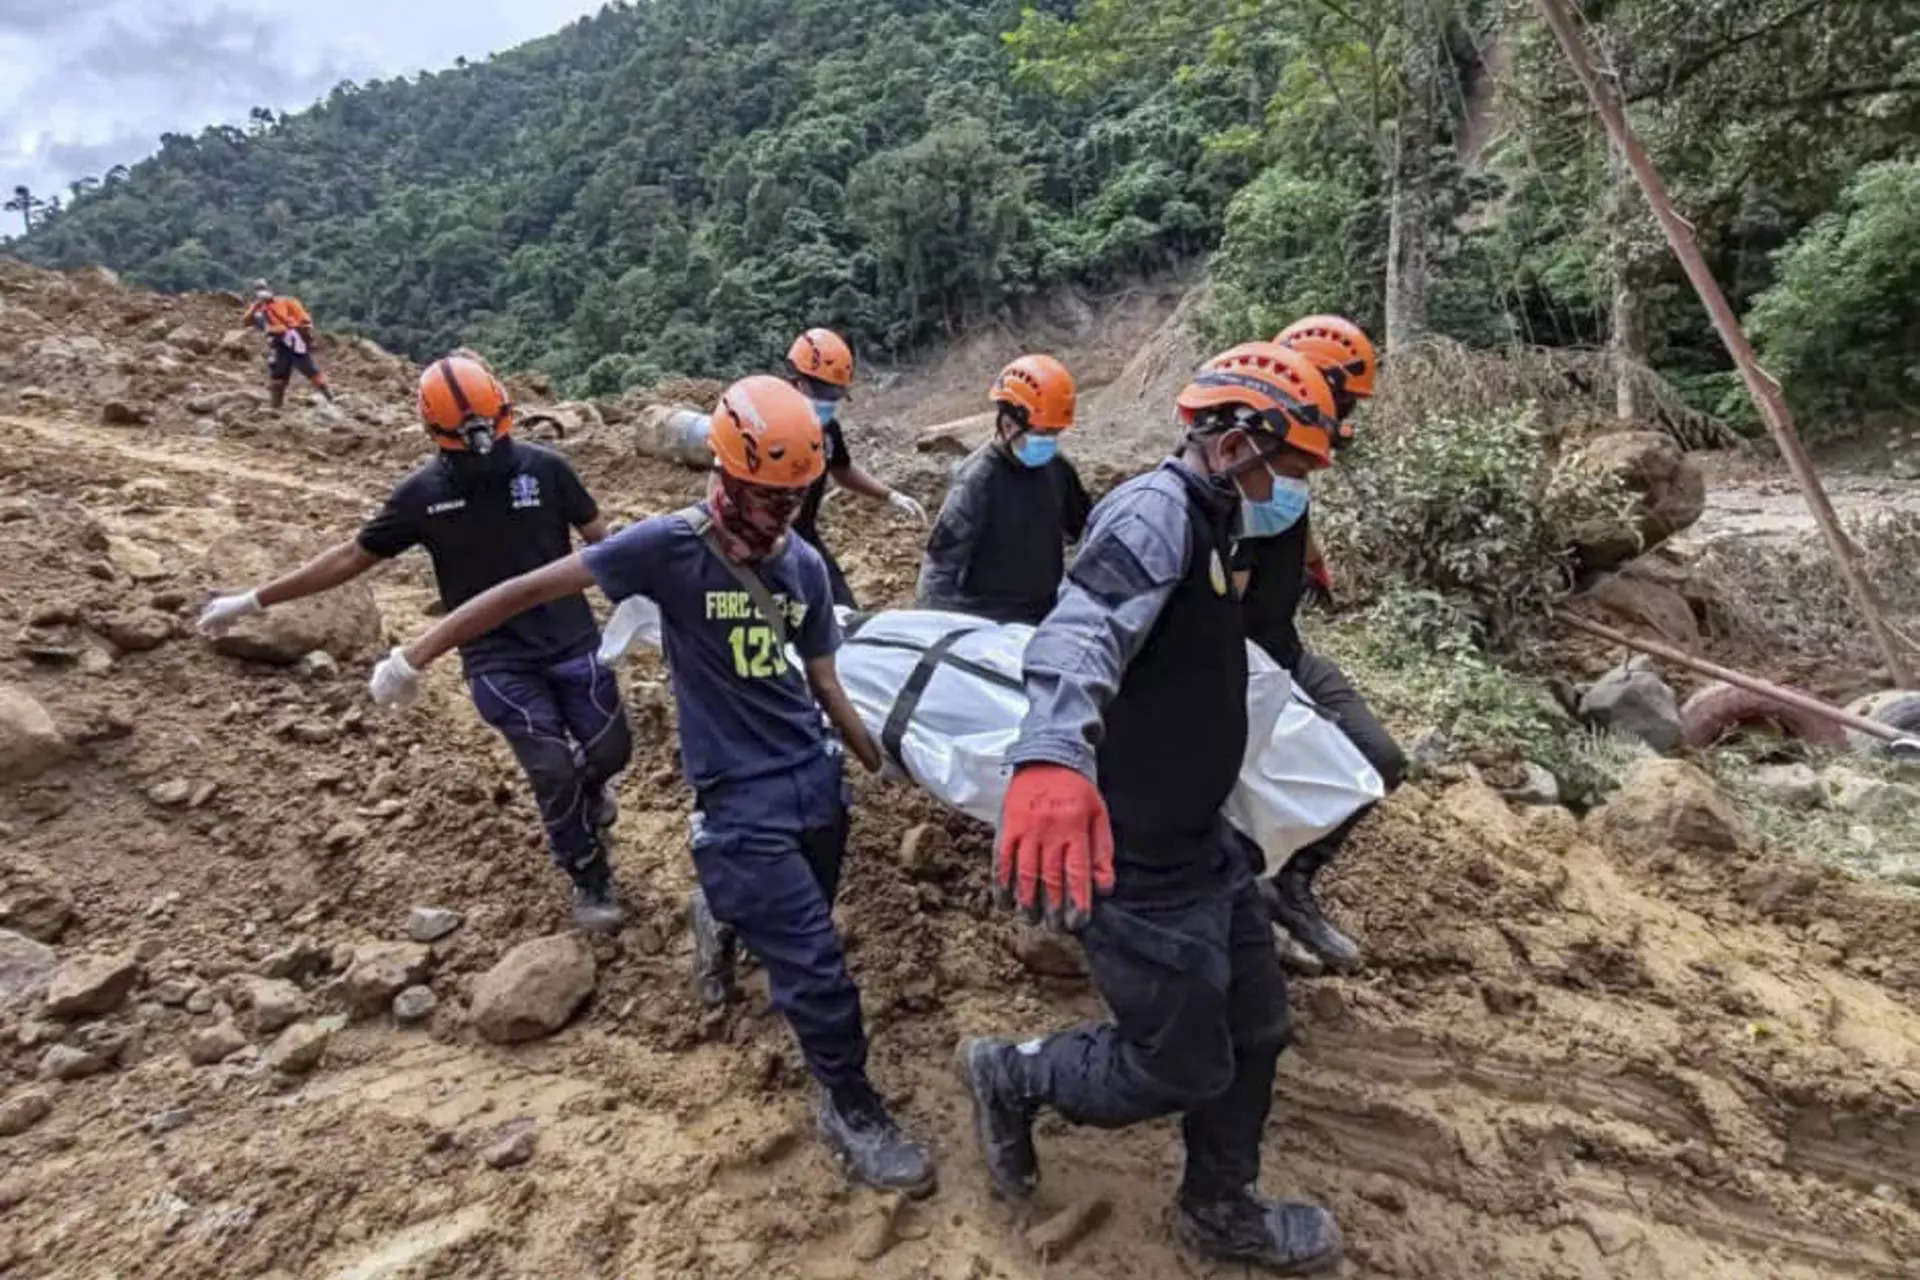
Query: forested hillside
[677, 186]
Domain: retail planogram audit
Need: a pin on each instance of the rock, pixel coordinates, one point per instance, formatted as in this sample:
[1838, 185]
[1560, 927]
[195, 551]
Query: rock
[1900, 868]
[344, 835]
[91, 985]
[173, 992]
[300, 960]
[300, 1047]
[312, 732]
[23, 1110]
[26, 967]
[200, 1002]
[1864, 836]
[275, 1003]
[191, 339]
[30, 744]
[319, 665]
[1047, 953]
[167, 1121]
[213, 1044]
[344, 622]
[925, 851]
[514, 1149]
[533, 989]
[1652, 604]
[1670, 487]
[1481, 812]
[119, 413]
[135, 560]
[380, 971]
[32, 900]
[136, 632]
[1873, 799]
[170, 794]
[65, 1062]
[1669, 803]
[1540, 787]
[415, 1004]
[237, 342]
[1632, 701]
[430, 924]
[1791, 786]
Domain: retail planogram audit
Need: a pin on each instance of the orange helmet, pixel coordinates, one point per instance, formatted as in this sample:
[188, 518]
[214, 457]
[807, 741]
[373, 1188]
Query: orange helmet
[824, 356]
[1339, 348]
[1038, 390]
[464, 407]
[1287, 395]
[765, 433]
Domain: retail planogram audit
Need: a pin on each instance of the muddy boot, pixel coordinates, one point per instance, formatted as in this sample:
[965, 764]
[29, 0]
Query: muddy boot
[856, 1125]
[1002, 1116]
[1284, 1236]
[276, 394]
[1289, 897]
[595, 909]
[714, 949]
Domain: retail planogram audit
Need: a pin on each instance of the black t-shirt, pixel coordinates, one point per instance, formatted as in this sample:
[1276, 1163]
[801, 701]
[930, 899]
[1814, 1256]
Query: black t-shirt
[484, 527]
[807, 522]
[1279, 569]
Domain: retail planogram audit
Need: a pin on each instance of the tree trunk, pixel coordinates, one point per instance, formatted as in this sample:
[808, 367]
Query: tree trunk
[1406, 285]
[1627, 330]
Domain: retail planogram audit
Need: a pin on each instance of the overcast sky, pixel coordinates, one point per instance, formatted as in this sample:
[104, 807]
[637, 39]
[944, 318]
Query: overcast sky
[88, 84]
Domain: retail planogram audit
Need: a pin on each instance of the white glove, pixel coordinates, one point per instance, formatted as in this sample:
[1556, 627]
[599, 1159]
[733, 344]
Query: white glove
[635, 619]
[221, 613]
[907, 506]
[395, 683]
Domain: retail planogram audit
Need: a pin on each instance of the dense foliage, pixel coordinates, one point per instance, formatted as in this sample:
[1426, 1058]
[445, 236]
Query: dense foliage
[677, 185]
[680, 187]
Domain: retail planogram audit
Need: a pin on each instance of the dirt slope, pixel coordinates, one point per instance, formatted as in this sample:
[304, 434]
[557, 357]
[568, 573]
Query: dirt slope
[1566, 1062]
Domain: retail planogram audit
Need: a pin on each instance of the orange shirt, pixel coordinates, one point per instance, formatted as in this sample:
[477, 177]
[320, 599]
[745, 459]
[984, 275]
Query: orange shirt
[281, 314]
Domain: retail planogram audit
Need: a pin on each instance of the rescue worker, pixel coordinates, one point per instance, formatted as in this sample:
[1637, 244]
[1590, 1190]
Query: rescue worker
[999, 545]
[770, 815]
[1137, 723]
[289, 331]
[1276, 563]
[488, 507]
[820, 367]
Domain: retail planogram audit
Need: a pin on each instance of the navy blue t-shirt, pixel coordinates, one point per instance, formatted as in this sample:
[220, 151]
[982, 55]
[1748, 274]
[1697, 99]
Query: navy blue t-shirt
[744, 709]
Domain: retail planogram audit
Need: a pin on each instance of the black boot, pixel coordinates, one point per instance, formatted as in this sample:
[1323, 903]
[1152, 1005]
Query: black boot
[856, 1125]
[1002, 1116]
[1284, 1236]
[1289, 897]
[714, 949]
[595, 909]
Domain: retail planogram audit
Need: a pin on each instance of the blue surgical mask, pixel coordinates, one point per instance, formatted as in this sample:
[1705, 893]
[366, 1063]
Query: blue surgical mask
[826, 410]
[1036, 450]
[1279, 513]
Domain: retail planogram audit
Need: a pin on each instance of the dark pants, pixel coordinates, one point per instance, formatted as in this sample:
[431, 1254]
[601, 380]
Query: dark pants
[768, 853]
[570, 735]
[1330, 690]
[1187, 967]
[283, 360]
[842, 593]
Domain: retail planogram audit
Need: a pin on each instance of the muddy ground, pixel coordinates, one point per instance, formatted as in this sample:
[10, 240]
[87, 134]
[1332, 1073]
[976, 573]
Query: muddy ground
[1565, 1061]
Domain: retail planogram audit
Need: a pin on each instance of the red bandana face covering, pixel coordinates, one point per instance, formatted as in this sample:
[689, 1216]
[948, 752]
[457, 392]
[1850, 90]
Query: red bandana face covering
[751, 518]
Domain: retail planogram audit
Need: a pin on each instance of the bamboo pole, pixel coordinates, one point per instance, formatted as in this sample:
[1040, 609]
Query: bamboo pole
[1761, 386]
[1753, 684]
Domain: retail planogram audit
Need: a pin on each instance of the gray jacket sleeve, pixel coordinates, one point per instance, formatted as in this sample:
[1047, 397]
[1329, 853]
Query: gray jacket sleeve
[943, 573]
[1135, 554]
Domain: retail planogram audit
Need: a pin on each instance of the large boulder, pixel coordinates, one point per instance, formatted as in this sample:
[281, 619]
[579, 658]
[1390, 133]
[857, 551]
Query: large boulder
[344, 622]
[89, 985]
[1651, 604]
[32, 899]
[1634, 702]
[30, 743]
[26, 967]
[533, 989]
[1670, 488]
[1669, 804]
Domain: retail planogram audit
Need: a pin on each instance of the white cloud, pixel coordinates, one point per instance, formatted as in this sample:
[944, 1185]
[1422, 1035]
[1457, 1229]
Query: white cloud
[87, 84]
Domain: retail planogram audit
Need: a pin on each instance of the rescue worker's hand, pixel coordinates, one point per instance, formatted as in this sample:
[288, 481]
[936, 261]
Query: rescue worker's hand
[905, 504]
[1056, 845]
[1320, 582]
[395, 683]
[222, 612]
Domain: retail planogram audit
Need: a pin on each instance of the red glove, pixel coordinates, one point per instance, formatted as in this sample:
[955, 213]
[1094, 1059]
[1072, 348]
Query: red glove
[1320, 580]
[1054, 836]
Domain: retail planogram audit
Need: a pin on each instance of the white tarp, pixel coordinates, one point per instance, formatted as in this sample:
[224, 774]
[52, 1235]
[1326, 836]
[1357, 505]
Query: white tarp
[1301, 777]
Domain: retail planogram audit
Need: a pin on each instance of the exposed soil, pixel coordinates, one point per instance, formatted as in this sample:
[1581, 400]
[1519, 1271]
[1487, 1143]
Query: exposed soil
[1564, 1063]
